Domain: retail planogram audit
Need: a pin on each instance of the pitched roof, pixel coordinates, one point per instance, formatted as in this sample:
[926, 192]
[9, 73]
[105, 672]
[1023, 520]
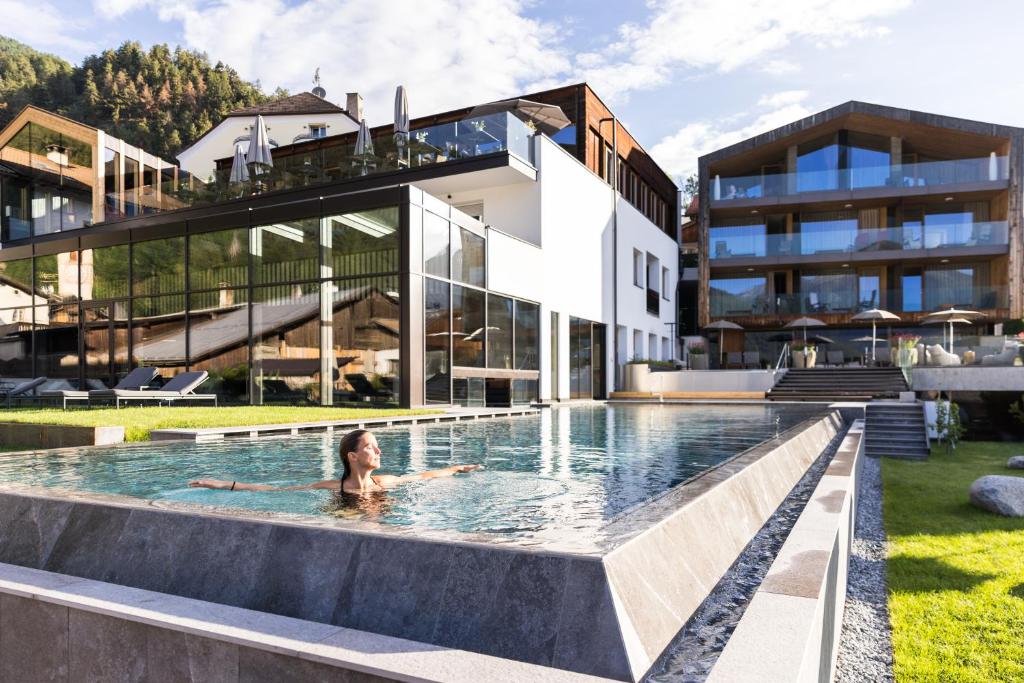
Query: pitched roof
[303, 103]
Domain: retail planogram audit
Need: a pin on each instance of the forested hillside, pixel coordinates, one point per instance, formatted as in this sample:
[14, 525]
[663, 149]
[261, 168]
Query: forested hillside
[160, 99]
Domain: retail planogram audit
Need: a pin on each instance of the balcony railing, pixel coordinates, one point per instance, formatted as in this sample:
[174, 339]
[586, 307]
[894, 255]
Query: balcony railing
[751, 303]
[325, 161]
[751, 241]
[924, 174]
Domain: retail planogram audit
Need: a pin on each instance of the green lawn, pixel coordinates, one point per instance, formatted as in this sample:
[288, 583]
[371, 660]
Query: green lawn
[956, 573]
[139, 421]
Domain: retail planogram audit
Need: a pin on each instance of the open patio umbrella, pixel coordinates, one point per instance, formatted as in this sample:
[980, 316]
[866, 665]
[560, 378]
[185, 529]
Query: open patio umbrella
[805, 323]
[259, 158]
[549, 118]
[950, 322]
[875, 315]
[402, 124]
[239, 172]
[948, 316]
[722, 326]
[364, 144]
[819, 339]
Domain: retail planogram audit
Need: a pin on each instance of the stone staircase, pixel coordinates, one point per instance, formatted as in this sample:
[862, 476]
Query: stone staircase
[896, 430]
[839, 384]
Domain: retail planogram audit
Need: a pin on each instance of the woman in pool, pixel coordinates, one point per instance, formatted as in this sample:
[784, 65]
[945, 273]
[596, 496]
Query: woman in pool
[360, 456]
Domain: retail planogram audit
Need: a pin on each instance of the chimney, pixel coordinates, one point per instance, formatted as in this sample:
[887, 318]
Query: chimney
[354, 105]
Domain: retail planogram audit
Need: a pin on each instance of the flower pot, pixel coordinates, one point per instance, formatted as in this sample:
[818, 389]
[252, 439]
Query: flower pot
[798, 359]
[809, 358]
[636, 377]
[698, 361]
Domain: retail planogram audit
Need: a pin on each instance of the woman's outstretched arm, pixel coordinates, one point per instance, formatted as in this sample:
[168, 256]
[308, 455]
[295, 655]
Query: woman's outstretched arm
[229, 485]
[388, 479]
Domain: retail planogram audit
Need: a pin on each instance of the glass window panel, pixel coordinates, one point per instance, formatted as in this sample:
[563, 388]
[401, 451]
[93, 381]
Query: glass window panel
[218, 260]
[15, 208]
[554, 355]
[105, 272]
[158, 335]
[468, 316]
[158, 266]
[868, 159]
[16, 284]
[953, 286]
[219, 342]
[437, 327]
[828, 291]
[467, 256]
[738, 296]
[105, 343]
[56, 342]
[364, 242]
[286, 343]
[286, 251]
[828, 232]
[912, 292]
[436, 236]
[131, 187]
[16, 343]
[817, 165]
[499, 331]
[56, 276]
[869, 291]
[365, 340]
[527, 335]
[111, 191]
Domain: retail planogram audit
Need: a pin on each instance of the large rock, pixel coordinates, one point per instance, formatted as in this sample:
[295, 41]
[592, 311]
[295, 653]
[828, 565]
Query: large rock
[1016, 462]
[999, 494]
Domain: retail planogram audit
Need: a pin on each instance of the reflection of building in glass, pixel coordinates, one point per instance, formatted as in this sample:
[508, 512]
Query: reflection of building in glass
[339, 279]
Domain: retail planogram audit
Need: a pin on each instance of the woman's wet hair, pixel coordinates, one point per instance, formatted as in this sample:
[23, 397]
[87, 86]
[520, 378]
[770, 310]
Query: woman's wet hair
[350, 444]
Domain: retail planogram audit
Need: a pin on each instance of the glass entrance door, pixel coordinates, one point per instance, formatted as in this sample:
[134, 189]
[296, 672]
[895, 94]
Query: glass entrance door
[598, 359]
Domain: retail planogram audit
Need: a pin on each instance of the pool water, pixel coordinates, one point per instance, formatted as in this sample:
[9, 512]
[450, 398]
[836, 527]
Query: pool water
[564, 472]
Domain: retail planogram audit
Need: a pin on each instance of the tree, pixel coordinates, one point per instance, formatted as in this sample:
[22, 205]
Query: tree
[689, 187]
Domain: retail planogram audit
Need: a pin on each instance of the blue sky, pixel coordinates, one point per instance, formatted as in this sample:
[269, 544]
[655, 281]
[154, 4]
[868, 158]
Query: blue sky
[686, 76]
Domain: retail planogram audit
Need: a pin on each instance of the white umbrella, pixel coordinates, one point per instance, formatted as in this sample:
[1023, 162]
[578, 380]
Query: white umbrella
[549, 118]
[805, 323]
[722, 326]
[401, 122]
[950, 322]
[259, 155]
[364, 144]
[239, 172]
[874, 315]
[949, 315]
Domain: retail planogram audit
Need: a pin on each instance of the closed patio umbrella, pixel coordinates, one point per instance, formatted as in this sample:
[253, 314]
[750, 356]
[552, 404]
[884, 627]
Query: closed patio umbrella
[258, 158]
[239, 172]
[402, 124]
[948, 316]
[364, 144]
[805, 323]
[722, 326]
[874, 315]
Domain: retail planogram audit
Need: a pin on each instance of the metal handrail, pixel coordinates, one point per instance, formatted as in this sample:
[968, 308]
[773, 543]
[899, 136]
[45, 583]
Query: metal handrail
[783, 357]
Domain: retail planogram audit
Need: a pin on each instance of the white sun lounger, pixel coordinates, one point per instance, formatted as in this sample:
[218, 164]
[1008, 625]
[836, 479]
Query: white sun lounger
[136, 379]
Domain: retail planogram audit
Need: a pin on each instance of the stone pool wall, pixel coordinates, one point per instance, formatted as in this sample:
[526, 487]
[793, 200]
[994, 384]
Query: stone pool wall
[607, 613]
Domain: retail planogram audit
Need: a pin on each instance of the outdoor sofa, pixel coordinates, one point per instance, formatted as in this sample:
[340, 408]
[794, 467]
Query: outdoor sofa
[134, 380]
[178, 388]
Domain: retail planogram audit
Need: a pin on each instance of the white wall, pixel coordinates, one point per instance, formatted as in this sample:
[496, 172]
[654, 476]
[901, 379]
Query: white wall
[200, 158]
[570, 213]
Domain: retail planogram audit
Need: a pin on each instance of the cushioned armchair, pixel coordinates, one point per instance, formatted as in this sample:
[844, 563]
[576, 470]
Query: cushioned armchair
[939, 356]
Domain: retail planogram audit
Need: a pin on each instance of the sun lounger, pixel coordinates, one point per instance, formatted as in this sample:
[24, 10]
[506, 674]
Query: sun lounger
[178, 388]
[21, 390]
[136, 379]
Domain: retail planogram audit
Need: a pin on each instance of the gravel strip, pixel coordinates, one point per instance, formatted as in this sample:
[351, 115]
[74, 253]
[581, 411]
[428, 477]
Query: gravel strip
[865, 646]
[695, 649]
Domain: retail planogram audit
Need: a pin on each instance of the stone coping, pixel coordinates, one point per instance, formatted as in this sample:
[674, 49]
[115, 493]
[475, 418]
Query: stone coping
[342, 648]
[791, 627]
[293, 428]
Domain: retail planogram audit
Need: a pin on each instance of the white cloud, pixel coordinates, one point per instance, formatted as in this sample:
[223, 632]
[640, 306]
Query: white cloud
[677, 153]
[779, 67]
[41, 26]
[112, 9]
[724, 36]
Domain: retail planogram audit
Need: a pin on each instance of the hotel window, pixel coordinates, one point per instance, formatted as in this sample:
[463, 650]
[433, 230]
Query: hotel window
[621, 185]
[594, 147]
[608, 166]
[829, 291]
[638, 268]
[318, 130]
[664, 283]
[817, 165]
[738, 296]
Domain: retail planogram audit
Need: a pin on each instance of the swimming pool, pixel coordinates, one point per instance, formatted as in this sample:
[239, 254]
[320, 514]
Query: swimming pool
[558, 475]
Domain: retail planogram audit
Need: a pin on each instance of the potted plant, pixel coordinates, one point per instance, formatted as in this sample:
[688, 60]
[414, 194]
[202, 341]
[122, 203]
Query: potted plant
[636, 374]
[804, 355]
[698, 356]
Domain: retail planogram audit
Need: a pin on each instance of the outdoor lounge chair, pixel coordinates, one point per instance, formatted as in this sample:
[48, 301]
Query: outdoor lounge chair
[363, 387]
[134, 380]
[734, 359]
[1004, 358]
[178, 388]
[752, 359]
[835, 358]
[21, 390]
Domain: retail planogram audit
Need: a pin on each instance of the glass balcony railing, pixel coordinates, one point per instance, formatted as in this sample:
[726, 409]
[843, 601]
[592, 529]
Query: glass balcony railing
[327, 160]
[751, 241]
[924, 174]
[751, 302]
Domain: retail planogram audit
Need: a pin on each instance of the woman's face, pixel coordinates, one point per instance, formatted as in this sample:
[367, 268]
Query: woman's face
[367, 455]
